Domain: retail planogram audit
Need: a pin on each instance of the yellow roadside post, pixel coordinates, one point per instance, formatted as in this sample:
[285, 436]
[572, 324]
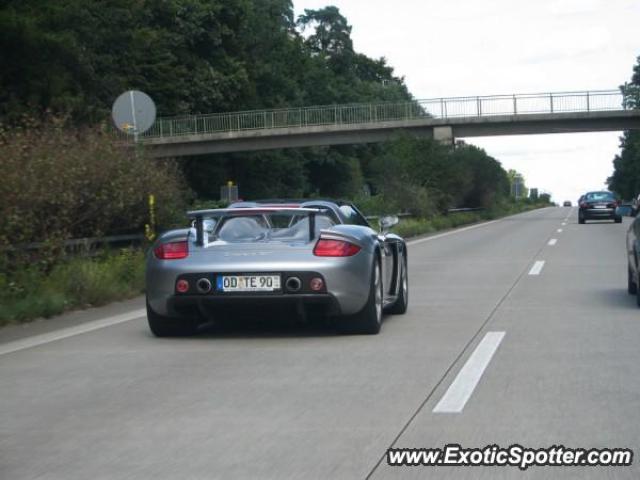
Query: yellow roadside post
[150, 228]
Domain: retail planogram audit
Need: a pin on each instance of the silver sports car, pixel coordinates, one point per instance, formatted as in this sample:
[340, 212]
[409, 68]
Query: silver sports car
[319, 256]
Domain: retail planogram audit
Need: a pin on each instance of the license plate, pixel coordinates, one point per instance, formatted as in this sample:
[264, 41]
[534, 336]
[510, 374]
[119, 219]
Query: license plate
[248, 283]
[600, 206]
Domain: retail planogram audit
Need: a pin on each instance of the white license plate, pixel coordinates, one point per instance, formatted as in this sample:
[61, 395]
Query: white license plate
[248, 283]
[600, 206]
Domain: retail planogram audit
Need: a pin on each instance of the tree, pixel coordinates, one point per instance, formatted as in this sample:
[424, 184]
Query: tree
[488, 180]
[205, 56]
[425, 177]
[332, 32]
[625, 180]
[82, 54]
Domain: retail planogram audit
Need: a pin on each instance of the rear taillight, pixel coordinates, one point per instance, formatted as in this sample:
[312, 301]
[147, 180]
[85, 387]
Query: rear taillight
[583, 205]
[172, 250]
[335, 248]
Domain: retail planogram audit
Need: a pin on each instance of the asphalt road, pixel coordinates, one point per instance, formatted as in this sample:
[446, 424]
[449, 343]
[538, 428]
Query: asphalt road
[560, 339]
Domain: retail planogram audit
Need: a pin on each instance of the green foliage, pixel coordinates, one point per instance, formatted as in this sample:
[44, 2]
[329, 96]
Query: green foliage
[332, 33]
[371, 205]
[625, 180]
[544, 198]
[31, 292]
[411, 227]
[82, 54]
[61, 183]
[425, 177]
[195, 56]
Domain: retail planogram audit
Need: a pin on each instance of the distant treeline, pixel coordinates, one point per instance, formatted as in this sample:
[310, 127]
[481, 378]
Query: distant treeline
[71, 58]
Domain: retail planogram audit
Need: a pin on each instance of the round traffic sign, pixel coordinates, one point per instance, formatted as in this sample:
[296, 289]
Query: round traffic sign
[133, 112]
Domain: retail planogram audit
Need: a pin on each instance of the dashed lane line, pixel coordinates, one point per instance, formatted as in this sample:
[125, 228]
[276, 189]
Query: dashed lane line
[461, 389]
[537, 267]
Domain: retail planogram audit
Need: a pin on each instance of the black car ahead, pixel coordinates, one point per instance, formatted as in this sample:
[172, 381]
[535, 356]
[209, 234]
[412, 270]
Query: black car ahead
[567, 203]
[598, 206]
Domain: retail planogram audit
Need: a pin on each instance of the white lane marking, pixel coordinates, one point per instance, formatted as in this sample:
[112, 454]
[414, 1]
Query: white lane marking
[559, 230]
[446, 234]
[537, 268]
[552, 242]
[36, 340]
[467, 379]
[564, 224]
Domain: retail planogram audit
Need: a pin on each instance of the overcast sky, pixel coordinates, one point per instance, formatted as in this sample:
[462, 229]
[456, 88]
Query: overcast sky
[471, 47]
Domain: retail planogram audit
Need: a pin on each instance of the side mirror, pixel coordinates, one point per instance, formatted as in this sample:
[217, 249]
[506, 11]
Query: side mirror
[387, 222]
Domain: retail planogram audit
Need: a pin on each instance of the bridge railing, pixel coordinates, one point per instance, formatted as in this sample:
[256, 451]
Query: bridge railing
[378, 113]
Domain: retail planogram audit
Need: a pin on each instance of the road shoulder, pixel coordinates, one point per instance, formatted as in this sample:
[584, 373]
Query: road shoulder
[41, 326]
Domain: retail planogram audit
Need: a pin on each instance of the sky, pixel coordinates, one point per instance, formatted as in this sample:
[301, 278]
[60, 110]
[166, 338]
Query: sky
[492, 47]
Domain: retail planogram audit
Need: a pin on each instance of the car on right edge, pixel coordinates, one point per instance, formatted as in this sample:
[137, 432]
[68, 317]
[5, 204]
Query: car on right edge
[633, 257]
[598, 206]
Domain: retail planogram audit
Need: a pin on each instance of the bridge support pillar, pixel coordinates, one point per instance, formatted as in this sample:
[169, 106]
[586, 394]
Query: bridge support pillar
[443, 134]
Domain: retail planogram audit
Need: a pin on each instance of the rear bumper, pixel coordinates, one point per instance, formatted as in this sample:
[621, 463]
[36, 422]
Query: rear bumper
[211, 305]
[598, 213]
[346, 280]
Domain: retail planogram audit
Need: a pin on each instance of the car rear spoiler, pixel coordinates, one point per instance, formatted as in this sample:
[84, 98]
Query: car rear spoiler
[200, 215]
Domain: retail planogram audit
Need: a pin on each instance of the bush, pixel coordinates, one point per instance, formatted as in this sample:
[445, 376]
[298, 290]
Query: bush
[411, 227]
[79, 282]
[61, 183]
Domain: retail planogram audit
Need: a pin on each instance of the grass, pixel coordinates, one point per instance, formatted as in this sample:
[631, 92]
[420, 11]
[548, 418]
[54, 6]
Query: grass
[77, 283]
[411, 227]
[83, 282]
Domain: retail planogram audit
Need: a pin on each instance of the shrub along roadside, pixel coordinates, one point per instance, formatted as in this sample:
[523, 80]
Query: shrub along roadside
[60, 182]
[76, 283]
[92, 281]
[411, 227]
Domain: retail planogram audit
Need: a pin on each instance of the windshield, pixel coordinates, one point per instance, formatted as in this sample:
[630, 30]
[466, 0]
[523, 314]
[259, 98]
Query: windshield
[599, 196]
[278, 226]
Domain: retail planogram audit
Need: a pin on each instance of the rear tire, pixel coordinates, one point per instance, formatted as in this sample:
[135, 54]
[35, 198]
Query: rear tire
[580, 219]
[368, 320]
[162, 326]
[632, 288]
[618, 219]
[402, 302]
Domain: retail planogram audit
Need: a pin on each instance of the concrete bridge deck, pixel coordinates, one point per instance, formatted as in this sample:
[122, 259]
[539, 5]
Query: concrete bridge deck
[444, 119]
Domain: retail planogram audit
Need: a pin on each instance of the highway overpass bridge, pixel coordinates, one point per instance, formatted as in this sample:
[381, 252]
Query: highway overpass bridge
[443, 119]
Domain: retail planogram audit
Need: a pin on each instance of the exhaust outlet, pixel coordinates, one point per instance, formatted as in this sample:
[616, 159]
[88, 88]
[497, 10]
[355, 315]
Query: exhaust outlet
[203, 285]
[293, 284]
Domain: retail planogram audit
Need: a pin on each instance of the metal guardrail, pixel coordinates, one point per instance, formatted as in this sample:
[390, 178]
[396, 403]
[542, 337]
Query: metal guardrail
[450, 210]
[399, 215]
[371, 113]
[465, 209]
[87, 243]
